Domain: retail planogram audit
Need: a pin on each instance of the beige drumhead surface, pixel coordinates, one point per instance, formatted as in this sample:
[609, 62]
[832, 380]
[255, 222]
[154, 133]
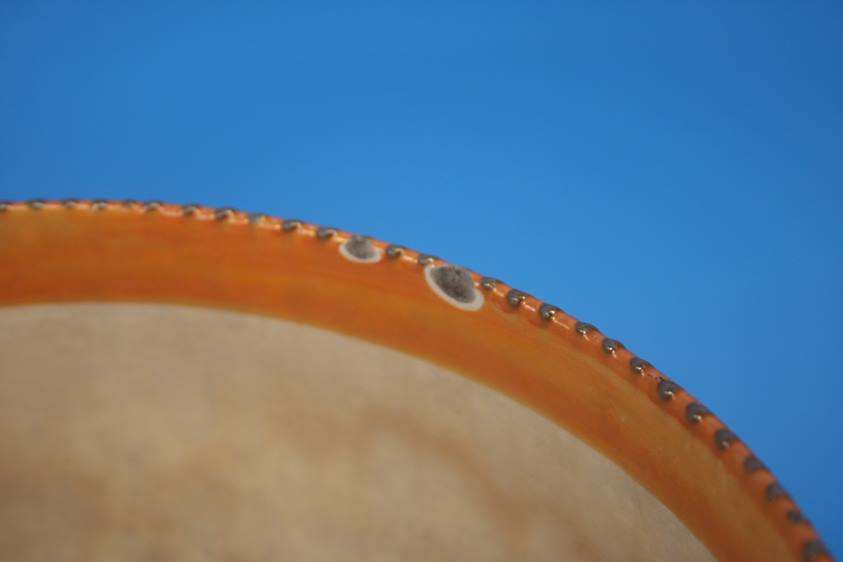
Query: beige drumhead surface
[147, 432]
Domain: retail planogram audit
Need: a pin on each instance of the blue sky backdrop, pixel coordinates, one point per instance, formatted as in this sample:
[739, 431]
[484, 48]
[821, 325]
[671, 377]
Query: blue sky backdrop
[670, 171]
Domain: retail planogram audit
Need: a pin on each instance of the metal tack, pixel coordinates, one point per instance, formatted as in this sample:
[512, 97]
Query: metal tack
[795, 516]
[394, 251]
[223, 213]
[548, 311]
[752, 464]
[638, 365]
[289, 225]
[325, 232]
[583, 328]
[515, 297]
[489, 283]
[611, 346]
[695, 412]
[724, 438]
[775, 491]
[813, 550]
[668, 389]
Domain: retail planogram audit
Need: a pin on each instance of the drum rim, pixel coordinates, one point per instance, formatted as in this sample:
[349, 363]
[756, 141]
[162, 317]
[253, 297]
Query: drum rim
[784, 517]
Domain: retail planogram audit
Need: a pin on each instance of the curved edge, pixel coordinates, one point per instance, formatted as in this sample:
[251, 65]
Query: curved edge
[755, 478]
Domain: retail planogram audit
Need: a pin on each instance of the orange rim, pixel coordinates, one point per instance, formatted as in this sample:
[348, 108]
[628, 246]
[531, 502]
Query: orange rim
[532, 351]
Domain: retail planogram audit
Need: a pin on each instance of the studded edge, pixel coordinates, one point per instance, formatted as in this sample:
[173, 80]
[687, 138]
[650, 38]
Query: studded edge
[697, 419]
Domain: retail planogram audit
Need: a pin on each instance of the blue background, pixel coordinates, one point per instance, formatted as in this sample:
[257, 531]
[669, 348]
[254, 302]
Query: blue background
[670, 171]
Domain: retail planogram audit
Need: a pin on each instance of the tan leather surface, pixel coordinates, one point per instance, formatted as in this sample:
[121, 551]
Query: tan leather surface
[150, 432]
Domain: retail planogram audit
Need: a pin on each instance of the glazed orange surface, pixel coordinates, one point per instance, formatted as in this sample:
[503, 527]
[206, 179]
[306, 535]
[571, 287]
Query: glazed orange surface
[128, 253]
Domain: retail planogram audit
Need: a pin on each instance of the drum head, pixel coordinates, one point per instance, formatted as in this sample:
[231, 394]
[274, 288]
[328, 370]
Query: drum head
[181, 383]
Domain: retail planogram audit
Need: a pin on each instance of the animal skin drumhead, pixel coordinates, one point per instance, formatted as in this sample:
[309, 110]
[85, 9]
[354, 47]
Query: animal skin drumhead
[181, 383]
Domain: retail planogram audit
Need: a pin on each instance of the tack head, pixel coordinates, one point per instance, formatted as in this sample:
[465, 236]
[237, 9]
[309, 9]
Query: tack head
[515, 297]
[547, 311]
[289, 225]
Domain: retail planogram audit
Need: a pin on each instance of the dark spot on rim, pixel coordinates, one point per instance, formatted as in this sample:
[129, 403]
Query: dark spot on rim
[695, 412]
[394, 251]
[611, 346]
[795, 516]
[361, 248]
[489, 283]
[583, 328]
[668, 389]
[813, 550]
[455, 282]
[753, 464]
[515, 297]
[223, 213]
[325, 232]
[548, 311]
[724, 438]
[638, 365]
[775, 491]
[289, 225]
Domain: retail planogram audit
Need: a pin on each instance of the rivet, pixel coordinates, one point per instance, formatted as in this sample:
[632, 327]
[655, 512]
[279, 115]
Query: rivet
[189, 209]
[753, 464]
[695, 412]
[795, 516]
[99, 204]
[548, 311]
[723, 438]
[256, 218]
[289, 225]
[775, 491]
[426, 259]
[325, 232]
[151, 206]
[69, 203]
[667, 389]
[36, 204]
[515, 297]
[395, 251]
[489, 283]
[611, 346]
[813, 550]
[638, 365]
[223, 213]
[583, 328]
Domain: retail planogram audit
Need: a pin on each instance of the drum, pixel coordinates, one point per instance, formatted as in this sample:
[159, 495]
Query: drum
[194, 384]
